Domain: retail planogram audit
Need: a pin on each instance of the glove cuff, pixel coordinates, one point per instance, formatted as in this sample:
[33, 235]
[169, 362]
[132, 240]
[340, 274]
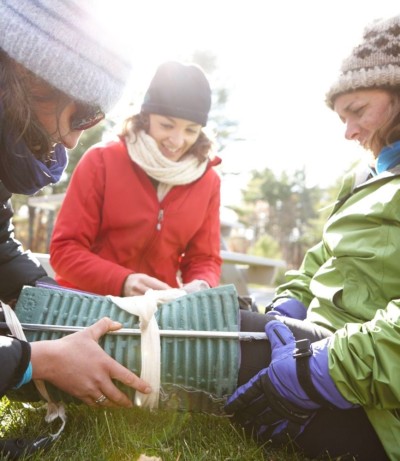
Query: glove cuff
[319, 369]
[288, 307]
[282, 406]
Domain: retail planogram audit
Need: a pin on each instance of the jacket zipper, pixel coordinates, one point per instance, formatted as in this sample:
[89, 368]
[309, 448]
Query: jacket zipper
[160, 218]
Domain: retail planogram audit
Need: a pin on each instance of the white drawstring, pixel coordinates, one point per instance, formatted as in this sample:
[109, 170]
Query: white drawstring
[54, 410]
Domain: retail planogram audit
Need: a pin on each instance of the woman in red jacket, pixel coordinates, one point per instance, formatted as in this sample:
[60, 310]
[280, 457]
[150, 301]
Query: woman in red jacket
[142, 212]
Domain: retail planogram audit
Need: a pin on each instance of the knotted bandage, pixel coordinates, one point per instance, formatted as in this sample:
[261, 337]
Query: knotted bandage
[145, 307]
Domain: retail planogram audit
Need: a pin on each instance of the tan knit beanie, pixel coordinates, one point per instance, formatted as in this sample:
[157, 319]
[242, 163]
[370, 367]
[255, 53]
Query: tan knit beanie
[375, 62]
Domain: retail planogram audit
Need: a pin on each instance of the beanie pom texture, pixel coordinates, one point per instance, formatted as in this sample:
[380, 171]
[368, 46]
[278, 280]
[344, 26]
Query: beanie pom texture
[374, 63]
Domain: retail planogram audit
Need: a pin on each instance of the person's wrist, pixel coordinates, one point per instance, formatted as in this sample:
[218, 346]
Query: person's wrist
[43, 357]
[125, 288]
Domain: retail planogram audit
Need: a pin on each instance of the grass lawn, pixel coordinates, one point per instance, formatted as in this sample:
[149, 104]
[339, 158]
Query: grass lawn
[123, 435]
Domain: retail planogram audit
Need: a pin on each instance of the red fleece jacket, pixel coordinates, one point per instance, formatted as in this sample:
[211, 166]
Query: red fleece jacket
[111, 224]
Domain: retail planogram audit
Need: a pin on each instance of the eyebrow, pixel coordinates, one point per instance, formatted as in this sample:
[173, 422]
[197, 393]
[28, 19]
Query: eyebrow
[348, 107]
[345, 110]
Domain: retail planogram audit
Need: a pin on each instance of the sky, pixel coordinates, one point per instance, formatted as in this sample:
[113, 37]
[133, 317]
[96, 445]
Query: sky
[277, 58]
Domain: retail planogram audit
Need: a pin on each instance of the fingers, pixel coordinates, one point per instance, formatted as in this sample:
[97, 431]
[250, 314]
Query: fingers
[101, 327]
[245, 394]
[138, 284]
[250, 405]
[155, 284]
[102, 400]
[106, 369]
[278, 334]
[118, 372]
[107, 394]
[115, 397]
[128, 378]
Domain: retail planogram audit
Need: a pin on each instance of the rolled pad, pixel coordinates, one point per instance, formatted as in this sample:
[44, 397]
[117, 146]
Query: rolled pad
[196, 373]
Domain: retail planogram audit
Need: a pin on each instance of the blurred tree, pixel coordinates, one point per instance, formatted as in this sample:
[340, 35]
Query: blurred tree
[266, 246]
[285, 209]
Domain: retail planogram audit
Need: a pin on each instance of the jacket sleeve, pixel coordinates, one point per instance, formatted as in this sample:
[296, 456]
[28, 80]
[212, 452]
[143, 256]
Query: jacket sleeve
[17, 268]
[14, 358]
[298, 281]
[76, 228]
[364, 360]
[202, 260]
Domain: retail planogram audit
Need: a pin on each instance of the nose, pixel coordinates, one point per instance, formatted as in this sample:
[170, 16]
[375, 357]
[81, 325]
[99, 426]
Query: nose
[177, 138]
[352, 131]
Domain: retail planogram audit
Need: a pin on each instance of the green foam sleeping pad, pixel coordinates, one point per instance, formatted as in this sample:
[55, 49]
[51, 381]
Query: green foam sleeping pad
[197, 373]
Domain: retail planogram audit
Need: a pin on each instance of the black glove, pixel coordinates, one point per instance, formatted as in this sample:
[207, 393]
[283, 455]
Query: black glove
[16, 448]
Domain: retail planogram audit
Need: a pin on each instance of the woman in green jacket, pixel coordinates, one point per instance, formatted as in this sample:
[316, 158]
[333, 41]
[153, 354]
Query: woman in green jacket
[341, 395]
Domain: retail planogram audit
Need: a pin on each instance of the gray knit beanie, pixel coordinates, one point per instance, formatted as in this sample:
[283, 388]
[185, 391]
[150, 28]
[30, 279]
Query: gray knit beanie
[374, 63]
[179, 90]
[61, 42]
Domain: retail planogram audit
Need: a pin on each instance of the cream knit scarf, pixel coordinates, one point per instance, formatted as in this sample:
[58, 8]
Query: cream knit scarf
[144, 151]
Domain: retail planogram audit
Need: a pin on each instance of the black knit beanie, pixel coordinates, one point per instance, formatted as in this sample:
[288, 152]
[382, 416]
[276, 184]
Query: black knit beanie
[179, 90]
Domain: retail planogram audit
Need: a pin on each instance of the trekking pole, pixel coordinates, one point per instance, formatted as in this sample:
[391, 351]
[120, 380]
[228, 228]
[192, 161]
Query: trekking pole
[240, 335]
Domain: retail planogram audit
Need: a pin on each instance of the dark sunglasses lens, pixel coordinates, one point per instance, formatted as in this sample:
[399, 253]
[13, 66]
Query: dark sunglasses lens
[85, 117]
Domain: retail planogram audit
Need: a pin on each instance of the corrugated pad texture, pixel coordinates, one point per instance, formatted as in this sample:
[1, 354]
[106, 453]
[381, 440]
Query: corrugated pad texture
[196, 373]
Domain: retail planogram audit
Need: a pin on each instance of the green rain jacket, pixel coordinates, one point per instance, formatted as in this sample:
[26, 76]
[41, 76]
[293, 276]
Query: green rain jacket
[351, 283]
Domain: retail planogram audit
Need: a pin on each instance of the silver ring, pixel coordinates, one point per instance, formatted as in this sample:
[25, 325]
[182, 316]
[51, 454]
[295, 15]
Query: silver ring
[100, 400]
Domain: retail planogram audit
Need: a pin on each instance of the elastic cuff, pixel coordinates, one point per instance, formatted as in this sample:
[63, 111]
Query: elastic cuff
[26, 378]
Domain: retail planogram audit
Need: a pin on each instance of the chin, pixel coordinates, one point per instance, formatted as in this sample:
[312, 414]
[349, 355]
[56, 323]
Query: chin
[71, 140]
[169, 156]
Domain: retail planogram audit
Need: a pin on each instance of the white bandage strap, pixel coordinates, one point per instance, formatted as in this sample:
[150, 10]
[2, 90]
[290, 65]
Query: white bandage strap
[54, 410]
[145, 307]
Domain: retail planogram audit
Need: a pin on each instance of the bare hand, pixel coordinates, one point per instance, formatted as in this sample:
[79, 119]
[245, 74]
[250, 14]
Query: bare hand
[77, 365]
[138, 284]
[195, 285]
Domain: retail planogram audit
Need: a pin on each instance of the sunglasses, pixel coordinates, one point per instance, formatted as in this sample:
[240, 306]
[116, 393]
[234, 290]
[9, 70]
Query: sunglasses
[86, 116]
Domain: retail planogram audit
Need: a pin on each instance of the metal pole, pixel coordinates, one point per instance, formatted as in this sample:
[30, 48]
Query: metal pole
[240, 335]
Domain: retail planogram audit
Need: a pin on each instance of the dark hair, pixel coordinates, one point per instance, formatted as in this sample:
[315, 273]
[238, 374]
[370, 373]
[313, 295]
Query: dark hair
[20, 92]
[140, 122]
[389, 132]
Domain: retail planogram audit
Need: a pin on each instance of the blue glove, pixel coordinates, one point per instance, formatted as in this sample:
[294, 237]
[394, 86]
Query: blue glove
[288, 307]
[280, 400]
